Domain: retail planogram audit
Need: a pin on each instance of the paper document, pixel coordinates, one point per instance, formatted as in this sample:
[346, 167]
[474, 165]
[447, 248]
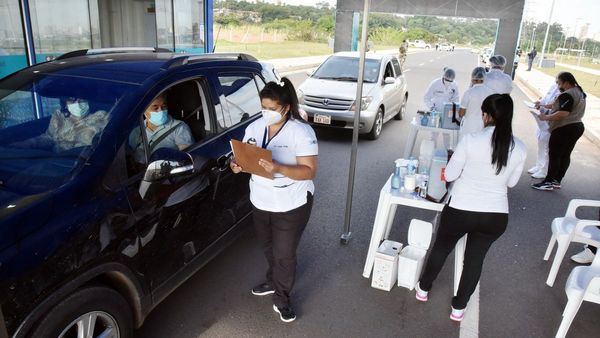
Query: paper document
[247, 156]
[541, 124]
[529, 104]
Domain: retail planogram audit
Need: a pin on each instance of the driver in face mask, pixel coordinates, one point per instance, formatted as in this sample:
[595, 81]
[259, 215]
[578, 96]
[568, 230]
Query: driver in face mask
[162, 131]
[70, 127]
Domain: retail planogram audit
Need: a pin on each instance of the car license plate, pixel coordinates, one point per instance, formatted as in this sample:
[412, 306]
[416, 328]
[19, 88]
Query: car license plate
[322, 119]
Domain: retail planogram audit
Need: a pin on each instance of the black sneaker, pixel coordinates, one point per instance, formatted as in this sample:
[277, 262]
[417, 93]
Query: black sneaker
[547, 186]
[263, 289]
[285, 313]
[555, 184]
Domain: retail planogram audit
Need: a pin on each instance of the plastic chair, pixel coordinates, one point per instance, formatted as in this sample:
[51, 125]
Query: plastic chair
[571, 229]
[583, 284]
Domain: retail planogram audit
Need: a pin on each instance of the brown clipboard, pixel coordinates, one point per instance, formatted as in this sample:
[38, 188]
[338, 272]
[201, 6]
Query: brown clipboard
[247, 156]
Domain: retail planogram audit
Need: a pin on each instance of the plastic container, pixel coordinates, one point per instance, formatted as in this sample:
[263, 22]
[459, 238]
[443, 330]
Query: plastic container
[412, 165]
[396, 179]
[426, 154]
[412, 257]
[436, 188]
[385, 268]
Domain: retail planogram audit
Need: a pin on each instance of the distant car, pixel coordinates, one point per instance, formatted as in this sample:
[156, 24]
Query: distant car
[420, 44]
[328, 95]
[445, 47]
[486, 54]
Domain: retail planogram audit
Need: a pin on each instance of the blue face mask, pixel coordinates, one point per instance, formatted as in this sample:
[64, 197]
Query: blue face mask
[158, 118]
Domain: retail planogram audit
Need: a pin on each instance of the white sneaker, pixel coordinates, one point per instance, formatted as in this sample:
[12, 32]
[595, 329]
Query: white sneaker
[533, 169]
[584, 257]
[538, 174]
[457, 315]
[421, 295]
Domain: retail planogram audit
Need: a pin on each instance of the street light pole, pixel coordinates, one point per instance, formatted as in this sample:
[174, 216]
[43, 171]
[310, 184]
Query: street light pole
[345, 238]
[546, 37]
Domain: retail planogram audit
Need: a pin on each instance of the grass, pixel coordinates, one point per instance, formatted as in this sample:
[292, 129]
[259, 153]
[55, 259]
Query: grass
[275, 50]
[589, 82]
[585, 62]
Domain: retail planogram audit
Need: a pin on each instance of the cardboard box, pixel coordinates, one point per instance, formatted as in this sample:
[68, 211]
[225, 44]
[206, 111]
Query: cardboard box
[385, 269]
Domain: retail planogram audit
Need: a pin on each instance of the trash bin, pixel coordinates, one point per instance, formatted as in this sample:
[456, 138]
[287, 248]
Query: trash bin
[412, 257]
[385, 269]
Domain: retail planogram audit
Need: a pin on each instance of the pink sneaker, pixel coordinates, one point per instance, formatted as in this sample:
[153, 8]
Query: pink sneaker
[457, 315]
[421, 295]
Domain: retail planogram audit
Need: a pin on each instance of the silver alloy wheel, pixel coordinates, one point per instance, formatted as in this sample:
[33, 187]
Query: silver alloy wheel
[379, 122]
[89, 323]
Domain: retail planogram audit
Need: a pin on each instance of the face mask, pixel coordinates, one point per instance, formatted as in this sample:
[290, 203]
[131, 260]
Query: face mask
[561, 90]
[158, 118]
[78, 109]
[271, 117]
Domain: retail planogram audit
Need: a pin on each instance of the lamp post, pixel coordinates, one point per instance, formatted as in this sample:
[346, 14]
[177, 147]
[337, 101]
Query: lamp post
[546, 37]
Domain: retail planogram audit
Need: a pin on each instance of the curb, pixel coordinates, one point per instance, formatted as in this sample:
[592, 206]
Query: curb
[590, 134]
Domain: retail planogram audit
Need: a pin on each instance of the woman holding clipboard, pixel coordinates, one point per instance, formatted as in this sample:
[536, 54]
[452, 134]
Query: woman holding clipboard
[282, 205]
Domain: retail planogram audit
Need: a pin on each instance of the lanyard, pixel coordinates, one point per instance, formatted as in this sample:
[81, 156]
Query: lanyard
[266, 142]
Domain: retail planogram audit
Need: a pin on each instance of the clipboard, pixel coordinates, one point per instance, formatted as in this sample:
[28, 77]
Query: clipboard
[247, 156]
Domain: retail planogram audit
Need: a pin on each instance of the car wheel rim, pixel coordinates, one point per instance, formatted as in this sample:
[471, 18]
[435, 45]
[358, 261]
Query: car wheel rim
[95, 324]
[379, 123]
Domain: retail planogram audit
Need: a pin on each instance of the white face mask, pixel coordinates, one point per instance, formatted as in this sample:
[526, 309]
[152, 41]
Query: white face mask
[271, 117]
[78, 109]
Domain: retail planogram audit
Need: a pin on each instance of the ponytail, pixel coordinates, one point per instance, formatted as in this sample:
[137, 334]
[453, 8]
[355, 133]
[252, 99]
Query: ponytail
[284, 93]
[500, 108]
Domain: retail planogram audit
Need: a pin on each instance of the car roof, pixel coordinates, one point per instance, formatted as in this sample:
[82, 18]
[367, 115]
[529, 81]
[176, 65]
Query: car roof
[368, 55]
[133, 67]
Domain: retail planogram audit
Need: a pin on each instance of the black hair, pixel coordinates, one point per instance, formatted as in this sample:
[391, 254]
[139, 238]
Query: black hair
[500, 108]
[570, 78]
[284, 93]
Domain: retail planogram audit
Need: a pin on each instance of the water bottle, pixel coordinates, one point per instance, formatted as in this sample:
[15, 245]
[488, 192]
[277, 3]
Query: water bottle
[396, 180]
[412, 165]
[424, 120]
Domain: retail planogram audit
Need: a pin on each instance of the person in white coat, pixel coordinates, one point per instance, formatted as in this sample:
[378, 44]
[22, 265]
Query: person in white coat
[470, 104]
[540, 169]
[498, 81]
[441, 91]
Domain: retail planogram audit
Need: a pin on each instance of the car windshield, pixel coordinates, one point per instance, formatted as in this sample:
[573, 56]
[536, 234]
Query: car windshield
[345, 68]
[50, 126]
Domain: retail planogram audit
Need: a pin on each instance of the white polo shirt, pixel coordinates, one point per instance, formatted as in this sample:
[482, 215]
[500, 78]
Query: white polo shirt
[476, 186]
[281, 194]
[498, 81]
[471, 101]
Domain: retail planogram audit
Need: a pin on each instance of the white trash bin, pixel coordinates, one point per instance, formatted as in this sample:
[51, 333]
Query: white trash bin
[385, 269]
[412, 257]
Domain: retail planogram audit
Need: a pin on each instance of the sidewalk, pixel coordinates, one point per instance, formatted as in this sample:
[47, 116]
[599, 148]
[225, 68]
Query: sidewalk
[539, 83]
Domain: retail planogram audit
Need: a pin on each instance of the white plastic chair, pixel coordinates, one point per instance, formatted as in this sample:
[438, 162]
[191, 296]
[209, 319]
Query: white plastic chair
[571, 229]
[583, 284]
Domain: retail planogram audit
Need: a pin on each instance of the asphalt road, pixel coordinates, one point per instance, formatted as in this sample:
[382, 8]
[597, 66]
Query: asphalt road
[332, 298]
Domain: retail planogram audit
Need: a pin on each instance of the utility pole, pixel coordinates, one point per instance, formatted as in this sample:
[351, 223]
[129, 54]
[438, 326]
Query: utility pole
[546, 37]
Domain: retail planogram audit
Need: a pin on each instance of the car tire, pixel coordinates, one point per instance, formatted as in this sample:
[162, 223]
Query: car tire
[102, 306]
[377, 125]
[402, 110]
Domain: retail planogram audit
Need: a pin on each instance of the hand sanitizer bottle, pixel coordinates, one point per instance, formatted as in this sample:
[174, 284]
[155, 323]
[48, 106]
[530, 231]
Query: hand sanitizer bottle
[396, 180]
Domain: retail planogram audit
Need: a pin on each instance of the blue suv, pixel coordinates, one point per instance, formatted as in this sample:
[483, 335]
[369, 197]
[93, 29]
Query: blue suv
[96, 230]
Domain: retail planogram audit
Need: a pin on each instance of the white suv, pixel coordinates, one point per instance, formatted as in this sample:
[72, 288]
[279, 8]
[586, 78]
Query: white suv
[328, 94]
[420, 44]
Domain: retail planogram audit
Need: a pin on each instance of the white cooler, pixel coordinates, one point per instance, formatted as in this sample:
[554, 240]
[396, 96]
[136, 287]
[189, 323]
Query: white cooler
[412, 257]
[385, 269]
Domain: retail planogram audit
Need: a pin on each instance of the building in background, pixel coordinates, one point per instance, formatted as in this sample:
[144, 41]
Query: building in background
[33, 31]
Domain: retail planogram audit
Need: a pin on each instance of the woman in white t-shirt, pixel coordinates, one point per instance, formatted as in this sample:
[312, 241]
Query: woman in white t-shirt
[281, 206]
[483, 167]
[470, 105]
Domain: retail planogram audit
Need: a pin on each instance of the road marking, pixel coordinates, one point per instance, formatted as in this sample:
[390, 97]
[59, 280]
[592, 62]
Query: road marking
[421, 64]
[407, 70]
[431, 60]
[469, 326]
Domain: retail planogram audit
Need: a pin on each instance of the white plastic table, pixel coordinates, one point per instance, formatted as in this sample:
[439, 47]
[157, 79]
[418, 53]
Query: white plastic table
[416, 127]
[384, 218]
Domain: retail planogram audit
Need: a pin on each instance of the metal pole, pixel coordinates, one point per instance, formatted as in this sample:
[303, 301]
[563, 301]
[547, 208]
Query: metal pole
[3, 332]
[582, 52]
[546, 37]
[345, 238]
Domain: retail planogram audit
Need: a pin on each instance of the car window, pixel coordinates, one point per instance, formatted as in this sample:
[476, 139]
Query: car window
[50, 125]
[345, 68]
[389, 72]
[240, 94]
[397, 68]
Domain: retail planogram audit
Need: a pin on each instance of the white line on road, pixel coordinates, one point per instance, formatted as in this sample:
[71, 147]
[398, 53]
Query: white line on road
[431, 60]
[407, 70]
[421, 64]
[469, 326]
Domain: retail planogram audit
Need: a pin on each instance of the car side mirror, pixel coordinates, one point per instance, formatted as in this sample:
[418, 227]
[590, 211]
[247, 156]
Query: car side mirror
[389, 80]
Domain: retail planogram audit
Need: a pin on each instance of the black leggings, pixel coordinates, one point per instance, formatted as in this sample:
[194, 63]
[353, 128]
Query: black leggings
[483, 229]
[562, 142]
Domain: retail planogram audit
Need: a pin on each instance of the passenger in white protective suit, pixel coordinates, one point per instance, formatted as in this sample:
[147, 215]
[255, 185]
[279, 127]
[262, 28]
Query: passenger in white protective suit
[498, 81]
[441, 91]
[470, 104]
